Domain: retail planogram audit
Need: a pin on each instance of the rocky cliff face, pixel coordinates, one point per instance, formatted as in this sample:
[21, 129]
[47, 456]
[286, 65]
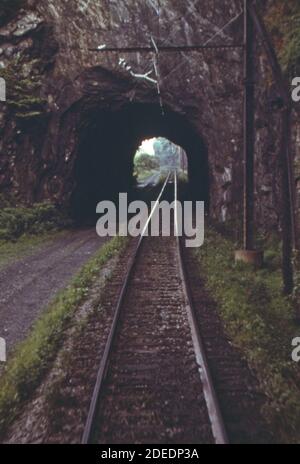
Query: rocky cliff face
[89, 113]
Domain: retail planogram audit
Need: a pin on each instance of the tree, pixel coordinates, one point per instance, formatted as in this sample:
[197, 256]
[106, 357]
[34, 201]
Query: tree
[167, 152]
[145, 162]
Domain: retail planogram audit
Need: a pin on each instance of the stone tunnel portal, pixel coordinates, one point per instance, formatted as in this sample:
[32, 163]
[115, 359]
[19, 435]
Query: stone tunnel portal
[104, 165]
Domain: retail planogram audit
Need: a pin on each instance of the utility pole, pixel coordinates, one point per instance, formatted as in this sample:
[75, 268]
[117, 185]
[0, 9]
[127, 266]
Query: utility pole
[249, 104]
[288, 219]
[248, 254]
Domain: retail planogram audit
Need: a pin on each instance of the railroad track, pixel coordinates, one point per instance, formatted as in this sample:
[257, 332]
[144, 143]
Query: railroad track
[154, 383]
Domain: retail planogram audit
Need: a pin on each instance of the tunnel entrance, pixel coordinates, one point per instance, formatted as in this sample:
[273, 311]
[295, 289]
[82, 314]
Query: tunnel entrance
[109, 140]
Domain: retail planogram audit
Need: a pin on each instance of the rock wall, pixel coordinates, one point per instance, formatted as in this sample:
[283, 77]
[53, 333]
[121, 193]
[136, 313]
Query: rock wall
[52, 40]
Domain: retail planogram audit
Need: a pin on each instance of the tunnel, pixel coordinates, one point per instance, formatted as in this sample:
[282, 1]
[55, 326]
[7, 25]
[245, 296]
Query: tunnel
[104, 164]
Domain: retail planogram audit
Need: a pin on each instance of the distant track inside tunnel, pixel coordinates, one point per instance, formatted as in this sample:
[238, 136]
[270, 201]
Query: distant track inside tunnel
[154, 384]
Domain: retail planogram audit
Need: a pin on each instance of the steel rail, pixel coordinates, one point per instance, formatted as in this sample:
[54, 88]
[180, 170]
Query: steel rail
[214, 413]
[212, 403]
[88, 429]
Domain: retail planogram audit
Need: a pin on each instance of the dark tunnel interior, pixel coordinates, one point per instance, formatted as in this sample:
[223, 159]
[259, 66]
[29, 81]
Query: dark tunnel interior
[104, 165]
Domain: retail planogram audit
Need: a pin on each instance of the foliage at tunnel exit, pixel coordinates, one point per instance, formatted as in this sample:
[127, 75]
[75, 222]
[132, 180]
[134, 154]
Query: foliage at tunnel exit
[33, 357]
[158, 154]
[283, 20]
[144, 164]
[260, 321]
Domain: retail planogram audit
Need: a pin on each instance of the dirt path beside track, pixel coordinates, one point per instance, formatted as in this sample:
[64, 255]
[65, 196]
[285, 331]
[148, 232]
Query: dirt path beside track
[28, 284]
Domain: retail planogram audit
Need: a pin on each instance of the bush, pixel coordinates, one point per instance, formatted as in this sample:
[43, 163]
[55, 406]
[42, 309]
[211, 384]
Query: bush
[42, 217]
[23, 96]
[145, 163]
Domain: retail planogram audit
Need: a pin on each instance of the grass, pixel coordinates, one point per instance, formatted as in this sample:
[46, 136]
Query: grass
[183, 177]
[145, 174]
[23, 229]
[24, 246]
[32, 358]
[260, 322]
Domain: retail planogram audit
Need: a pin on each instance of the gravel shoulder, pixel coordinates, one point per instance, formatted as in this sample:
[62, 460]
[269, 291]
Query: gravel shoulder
[53, 413]
[28, 284]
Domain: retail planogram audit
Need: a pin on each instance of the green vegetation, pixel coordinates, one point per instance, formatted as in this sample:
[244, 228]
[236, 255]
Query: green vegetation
[260, 322]
[167, 152]
[163, 157]
[23, 91]
[182, 177]
[8, 9]
[283, 20]
[144, 165]
[24, 246]
[32, 358]
[40, 218]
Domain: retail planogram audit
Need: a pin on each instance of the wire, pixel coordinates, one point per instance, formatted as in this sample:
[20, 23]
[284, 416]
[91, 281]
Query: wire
[157, 72]
[205, 43]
